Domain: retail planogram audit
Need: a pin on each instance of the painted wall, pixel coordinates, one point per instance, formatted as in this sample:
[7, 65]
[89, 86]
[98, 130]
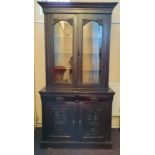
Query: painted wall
[39, 61]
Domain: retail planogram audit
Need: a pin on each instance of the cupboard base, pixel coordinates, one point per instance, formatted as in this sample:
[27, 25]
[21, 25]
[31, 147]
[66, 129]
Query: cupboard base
[72, 144]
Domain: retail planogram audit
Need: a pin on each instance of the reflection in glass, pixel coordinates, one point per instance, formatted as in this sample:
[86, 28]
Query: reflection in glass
[63, 52]
[92, 44]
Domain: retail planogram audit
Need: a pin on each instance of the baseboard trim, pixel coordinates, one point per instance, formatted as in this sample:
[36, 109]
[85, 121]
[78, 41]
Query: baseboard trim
[73, 144]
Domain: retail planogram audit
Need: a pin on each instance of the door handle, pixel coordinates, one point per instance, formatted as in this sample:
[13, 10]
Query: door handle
[75, 91]
[59, 99]
[76, 101]
[73, 122]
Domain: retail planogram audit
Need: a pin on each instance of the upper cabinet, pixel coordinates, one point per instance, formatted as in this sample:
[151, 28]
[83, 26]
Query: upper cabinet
[77, 44]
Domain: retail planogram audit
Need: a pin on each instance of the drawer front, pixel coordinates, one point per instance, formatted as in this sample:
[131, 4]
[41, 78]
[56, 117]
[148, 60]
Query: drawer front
[57, 98]
[96, 98]
[60, 98]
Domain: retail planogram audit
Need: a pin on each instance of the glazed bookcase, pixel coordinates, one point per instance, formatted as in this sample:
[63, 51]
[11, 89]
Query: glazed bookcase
[76, 101]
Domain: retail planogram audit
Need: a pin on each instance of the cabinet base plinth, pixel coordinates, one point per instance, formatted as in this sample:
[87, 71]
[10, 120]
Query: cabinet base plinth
[56, 144]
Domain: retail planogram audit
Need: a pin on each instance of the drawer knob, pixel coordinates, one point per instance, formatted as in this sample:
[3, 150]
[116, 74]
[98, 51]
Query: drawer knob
[93, 98]
[73, 122]
[76, 101]
[75, 91]
[59, 99]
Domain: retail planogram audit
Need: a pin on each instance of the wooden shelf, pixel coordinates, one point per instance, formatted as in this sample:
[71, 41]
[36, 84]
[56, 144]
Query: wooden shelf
[62, 37]
[63, 53]
[66, 68]
[92, 37]
[91, 70]
[91, 53]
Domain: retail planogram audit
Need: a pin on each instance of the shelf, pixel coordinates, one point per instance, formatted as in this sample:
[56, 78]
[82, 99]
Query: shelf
[83, 37]
[91, 70]
[92, 37]
[72, 53]
[62, 37]
[65, 68]
[91, 53]
[63, 52]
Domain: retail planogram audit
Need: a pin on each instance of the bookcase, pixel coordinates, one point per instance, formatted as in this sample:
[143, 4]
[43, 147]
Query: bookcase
[77, 101]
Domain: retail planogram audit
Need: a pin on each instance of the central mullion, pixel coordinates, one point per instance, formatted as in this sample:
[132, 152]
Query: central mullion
[75, 50]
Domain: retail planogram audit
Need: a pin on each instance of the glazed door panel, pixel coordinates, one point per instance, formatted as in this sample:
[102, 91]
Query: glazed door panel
[61, 49]
[59, 122]
[92, 50]
[92, 122]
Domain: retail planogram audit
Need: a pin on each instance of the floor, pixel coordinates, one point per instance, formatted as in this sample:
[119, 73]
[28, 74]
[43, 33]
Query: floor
[49, 151]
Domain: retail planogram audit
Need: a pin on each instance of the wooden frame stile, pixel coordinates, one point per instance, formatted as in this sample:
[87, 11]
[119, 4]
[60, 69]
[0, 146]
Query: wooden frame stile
[48, 45]
[106, 36]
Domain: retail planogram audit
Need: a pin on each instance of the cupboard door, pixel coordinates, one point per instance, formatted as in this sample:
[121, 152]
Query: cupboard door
[92, 122]
[58, 122]
[61, 60]
[93, 50]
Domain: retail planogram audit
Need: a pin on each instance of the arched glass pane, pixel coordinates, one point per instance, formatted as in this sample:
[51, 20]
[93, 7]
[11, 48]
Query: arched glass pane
[92, 45]
[63, 52]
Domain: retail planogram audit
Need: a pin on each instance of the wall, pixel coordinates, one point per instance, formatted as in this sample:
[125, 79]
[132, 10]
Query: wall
[39, 61]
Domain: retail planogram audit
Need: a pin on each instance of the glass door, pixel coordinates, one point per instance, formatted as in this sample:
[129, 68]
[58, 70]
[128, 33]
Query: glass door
[91, 49]
[63, 52]
[92, 45]
[62, 49]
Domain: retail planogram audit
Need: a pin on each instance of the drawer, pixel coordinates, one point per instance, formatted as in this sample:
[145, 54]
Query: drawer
[96, 98]
[58, 98]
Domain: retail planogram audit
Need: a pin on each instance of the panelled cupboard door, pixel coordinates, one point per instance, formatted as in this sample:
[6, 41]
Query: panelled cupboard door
[92, 122]
[92, 49]
[58, 122]
[61, 47]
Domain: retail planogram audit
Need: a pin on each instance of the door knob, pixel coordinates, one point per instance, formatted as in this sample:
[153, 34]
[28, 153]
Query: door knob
[75, 91]
[73, 122]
